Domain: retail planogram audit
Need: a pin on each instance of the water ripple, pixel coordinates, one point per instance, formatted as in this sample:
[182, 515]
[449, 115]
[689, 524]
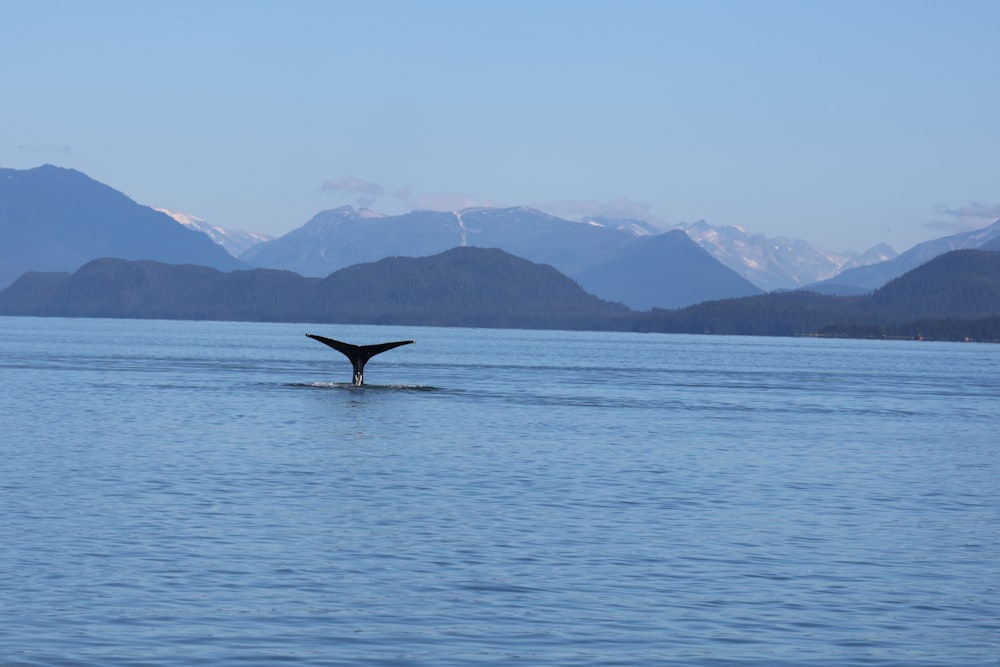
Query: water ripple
[494, 498]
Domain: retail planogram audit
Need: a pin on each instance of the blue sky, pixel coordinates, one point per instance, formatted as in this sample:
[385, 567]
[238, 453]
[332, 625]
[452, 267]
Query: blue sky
[846, 123]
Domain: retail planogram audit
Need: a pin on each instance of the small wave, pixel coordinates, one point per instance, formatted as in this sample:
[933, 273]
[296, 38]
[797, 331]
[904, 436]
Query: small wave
[366, 387]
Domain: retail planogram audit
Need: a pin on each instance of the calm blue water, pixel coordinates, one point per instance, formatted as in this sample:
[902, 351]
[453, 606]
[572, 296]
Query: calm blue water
[188, 493]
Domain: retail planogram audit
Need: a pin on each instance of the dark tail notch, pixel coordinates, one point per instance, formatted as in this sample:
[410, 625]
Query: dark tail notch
[358, 354]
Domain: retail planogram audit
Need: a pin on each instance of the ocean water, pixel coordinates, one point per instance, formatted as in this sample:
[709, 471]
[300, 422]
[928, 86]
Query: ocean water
[213, 493]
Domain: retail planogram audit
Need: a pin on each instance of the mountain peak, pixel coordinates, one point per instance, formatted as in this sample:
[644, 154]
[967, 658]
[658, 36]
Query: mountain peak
[875, 275]
[768, 262]
[56, 219]
[235, 241]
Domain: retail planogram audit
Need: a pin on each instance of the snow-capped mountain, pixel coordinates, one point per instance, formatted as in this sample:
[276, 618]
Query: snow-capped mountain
[777, 262]
[867, 278]
[633, 226]
[235, 241]
[340, 237]
[608, 257]
[882, 252]
[57, 219]
[343, 236]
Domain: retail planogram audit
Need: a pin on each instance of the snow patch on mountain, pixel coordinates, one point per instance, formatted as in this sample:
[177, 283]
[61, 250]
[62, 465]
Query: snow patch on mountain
[632, 226]
[235, 241]
[870, 277]
[462, 228]
[367, 213]
[776, 262]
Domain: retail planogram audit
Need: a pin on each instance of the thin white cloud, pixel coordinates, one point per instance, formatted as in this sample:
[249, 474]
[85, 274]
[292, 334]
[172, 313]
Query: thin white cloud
[965, 218]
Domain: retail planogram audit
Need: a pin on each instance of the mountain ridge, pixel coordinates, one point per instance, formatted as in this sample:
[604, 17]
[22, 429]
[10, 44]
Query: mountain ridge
[461, 287]
[954, 289]
[53, 218]
[56, 219]
[235, 241]
[343, 237]
[953, 297]
[866, 278]
[668, 270]
[779, 262]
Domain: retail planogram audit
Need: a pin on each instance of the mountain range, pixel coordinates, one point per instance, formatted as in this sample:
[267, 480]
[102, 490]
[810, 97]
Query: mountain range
[773, 263]
[472, 287]
[621, 262]
[54, 219]
[344, 236]
[862, 279]
[955, 296]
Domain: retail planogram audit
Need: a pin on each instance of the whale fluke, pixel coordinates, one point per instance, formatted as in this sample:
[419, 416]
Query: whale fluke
[358, 354]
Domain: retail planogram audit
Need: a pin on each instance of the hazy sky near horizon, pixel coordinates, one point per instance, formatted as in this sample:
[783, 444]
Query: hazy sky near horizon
[842, 122]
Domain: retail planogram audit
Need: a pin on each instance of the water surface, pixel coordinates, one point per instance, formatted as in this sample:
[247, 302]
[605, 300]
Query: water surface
[184, 493]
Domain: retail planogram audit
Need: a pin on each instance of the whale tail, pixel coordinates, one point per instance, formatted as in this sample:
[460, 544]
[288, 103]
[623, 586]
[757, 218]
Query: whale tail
[358, 354]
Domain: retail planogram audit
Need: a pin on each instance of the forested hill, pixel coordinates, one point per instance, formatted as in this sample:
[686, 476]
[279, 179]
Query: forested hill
[962, 283]
[954, 296]
[465, 286]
